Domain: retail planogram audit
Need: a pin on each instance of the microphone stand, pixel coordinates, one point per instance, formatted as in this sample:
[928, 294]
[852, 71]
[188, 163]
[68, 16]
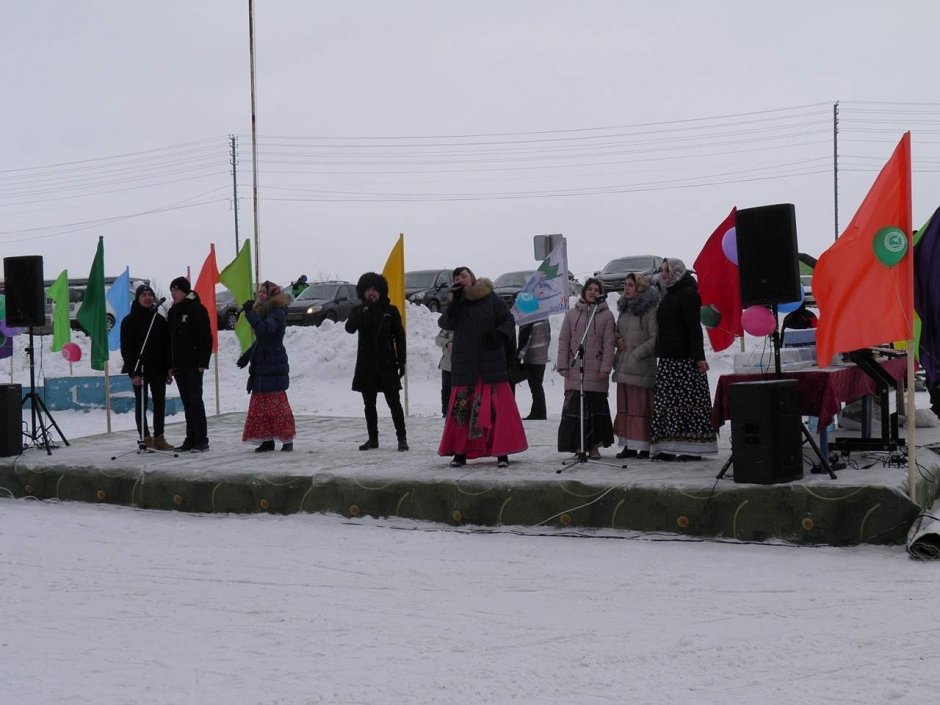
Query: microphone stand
[582, 455]
[140, 370]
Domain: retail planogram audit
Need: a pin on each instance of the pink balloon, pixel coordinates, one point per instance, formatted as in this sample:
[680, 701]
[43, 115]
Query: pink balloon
[71, 352]
[758, 321]
[729, 244]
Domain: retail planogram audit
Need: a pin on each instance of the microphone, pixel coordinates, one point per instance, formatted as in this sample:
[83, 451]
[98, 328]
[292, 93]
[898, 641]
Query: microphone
[455, 287]
[158, 304]
[599, 298]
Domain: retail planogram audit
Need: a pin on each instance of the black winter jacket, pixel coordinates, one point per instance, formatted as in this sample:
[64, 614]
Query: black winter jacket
[483, 328]
[190, 334]
[156, 358]
[678, 320]
[380, 357]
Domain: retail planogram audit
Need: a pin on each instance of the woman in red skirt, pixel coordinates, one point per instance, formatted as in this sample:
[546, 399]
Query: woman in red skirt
[269, 414]
[483, 419]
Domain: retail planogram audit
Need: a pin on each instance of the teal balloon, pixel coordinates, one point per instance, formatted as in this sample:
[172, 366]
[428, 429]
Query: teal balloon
[527, 303]
[710, 316]
[3, 339]
[890, 245]
[3, 307]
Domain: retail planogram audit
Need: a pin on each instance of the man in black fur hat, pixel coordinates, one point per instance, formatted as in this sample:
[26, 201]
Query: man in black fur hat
[380, 359]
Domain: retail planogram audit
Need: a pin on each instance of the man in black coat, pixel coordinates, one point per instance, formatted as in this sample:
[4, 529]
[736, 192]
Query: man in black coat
[191, 348]
[145, 347]
[380, 357]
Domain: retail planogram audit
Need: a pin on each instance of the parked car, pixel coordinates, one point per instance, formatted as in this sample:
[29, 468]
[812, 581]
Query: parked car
[429, 287]
[226, 309]
[614, 274]
[322, 301]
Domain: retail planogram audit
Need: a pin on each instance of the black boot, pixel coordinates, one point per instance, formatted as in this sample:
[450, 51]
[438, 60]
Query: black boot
[459, 461]
[370, 444]
[265, 447]
[288, 447]
[402, 444]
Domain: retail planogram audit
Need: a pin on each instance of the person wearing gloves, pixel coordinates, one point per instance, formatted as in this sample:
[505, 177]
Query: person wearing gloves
[269, 416]
[483, 419]
[190, 348]
[380, 356]
[148, 366]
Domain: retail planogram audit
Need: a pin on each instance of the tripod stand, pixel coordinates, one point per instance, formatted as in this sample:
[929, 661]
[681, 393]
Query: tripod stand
[807, 434]
[582, 455]
[140, 398]
[39, 431]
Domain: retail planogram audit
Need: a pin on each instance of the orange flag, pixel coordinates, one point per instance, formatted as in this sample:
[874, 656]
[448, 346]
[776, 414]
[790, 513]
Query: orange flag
[864, 283]
[205, 287]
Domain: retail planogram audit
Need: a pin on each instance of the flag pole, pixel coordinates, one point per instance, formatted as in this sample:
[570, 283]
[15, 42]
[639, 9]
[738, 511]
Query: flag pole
[216, 358]
[107, 396]
[911, 424]
[254, 138]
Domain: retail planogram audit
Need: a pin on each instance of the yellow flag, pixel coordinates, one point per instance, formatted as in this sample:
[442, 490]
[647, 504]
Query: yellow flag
[394, 274]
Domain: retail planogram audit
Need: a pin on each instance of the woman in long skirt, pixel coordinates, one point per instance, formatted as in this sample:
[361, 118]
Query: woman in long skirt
[635, 365]
[483, 419]
[681, 428]
[590, 320]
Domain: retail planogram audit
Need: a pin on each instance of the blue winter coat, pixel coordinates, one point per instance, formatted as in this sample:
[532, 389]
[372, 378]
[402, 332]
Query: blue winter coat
[268, 368]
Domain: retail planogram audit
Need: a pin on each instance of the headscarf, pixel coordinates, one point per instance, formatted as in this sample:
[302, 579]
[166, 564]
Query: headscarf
[676, 269]
[270, 288]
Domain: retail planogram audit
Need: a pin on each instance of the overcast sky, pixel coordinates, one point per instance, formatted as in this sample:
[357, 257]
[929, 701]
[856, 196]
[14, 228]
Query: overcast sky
[630, 127]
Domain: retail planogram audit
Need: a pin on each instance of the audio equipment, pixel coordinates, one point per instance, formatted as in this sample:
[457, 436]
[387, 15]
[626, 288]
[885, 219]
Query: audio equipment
[766, 429]
[24, 291]
[768, 264]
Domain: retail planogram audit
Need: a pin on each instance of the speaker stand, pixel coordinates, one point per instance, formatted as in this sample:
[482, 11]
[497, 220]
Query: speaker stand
[39, 431]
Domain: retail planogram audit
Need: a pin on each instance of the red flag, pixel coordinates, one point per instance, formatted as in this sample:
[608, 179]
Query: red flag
[718, 286]
[205, 287]
[864, 283]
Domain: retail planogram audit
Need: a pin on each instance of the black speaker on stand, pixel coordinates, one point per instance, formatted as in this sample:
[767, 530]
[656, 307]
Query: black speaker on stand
[766, 431]
[768, 257]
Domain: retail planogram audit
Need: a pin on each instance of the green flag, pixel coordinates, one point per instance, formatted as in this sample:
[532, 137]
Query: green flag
[93, 313]
[236, 277]
[59, 293]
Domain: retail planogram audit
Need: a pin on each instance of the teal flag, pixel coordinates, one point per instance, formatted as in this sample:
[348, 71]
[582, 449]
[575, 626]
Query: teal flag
[119, 296]
[93, 313]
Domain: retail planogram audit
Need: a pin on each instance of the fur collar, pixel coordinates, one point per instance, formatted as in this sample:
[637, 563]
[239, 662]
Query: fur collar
[641, 303]
[480, 289]
[263, 308]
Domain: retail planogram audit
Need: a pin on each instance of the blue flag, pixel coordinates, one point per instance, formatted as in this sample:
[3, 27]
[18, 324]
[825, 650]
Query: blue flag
[119, 296]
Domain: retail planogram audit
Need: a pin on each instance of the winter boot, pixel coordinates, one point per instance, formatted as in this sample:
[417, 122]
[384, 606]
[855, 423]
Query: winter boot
[370, 444]
[265, 447]
[287, 447]
[148, 442]
[402, 443]
[502, 461]
[159, 443]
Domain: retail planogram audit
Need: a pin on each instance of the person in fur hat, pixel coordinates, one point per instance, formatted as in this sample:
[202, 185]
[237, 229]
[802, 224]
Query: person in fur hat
[635, 365]
[190, 348]
[380, 356]
[682, 405]
[483, 419]
[269, 416]
[597, 360]
[148, 366]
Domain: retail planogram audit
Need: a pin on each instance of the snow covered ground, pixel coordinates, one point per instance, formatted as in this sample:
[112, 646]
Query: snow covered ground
[109, 605]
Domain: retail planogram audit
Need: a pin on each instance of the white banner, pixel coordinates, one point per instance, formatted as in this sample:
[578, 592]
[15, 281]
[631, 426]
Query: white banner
[546, 293]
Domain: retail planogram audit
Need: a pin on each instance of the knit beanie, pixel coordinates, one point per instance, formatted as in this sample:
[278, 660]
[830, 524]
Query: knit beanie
[142, 289]
[181, 283]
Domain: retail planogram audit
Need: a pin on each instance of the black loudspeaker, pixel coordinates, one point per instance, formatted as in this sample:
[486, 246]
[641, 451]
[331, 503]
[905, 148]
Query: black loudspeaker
[11, 420]
[24, 291]
[768, 264]
[766, 428]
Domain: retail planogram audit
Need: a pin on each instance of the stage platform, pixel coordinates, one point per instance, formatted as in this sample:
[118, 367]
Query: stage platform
[867, 503]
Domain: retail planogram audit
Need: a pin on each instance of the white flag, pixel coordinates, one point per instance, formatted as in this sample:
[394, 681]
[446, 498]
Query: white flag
[546, 293]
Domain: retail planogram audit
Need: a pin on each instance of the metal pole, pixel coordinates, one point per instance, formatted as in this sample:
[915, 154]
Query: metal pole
[835, 166]
[254, 139]
[233, 140]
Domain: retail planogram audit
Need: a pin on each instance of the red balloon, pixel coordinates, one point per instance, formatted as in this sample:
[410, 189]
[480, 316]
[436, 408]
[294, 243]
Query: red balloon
[71, 352]
[758, 321]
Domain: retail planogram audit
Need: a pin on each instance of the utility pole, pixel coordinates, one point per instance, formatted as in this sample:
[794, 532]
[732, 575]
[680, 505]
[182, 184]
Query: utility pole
[234, 143]
[254, 139]
[835, 165]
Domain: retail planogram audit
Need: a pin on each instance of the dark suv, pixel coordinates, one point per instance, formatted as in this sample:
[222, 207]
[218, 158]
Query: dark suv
[226, 309]
[429, 287]
[615, 273]
[322, 301]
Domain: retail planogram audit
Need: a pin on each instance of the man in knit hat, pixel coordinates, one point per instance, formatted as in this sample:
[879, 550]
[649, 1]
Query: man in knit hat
[191, 348]
[145, 347]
